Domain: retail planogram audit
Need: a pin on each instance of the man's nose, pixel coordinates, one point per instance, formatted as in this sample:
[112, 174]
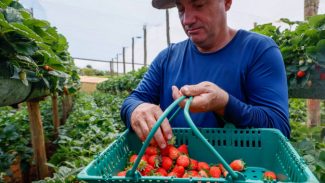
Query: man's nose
[188, 18]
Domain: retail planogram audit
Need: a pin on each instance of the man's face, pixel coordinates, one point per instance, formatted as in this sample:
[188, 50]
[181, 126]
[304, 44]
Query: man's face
[203, 20]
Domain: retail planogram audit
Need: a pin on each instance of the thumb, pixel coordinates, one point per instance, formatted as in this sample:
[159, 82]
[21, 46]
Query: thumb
[176, 93]
[193, 90]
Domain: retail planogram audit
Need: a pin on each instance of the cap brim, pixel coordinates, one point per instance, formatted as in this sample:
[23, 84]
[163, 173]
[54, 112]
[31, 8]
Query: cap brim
[163, 4]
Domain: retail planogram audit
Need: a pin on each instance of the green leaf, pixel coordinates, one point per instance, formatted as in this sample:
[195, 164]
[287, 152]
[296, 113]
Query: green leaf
[23, 29]
[36, 23]
[322, 155]
[25, 14]
[12, 15]
[58, 74]
[6, 2]
[320, 47]
[21, 44]
[317, 21]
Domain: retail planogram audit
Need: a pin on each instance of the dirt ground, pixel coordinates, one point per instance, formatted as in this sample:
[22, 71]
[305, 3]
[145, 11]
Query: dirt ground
[89, 83]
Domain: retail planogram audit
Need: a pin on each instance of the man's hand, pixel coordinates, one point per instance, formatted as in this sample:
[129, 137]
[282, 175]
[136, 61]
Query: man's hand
[143, 119]
[206, 97]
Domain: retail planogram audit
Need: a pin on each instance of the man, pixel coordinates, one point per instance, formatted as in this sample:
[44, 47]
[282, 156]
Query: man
[234, 75]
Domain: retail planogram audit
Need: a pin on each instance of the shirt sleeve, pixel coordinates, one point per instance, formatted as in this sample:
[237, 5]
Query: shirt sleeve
[148, 90]
[266, 93]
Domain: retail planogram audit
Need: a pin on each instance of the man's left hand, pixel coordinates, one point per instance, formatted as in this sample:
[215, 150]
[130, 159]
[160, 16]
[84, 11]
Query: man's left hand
[206, 97]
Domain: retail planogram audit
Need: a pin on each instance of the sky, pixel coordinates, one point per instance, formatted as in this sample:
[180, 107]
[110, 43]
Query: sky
[99, 29]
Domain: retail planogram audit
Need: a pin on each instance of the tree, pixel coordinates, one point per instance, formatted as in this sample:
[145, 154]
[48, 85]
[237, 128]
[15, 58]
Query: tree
[313, 105]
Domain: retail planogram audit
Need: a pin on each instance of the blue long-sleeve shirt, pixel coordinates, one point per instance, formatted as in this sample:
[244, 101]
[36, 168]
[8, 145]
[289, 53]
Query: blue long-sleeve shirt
[250, 68]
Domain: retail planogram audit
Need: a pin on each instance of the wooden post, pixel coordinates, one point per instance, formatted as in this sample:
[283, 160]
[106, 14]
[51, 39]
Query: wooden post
[55, 111]
[38, 143]
[313, 105]
[167, 27]
[145, 45]
[66, 106]
[124, 68]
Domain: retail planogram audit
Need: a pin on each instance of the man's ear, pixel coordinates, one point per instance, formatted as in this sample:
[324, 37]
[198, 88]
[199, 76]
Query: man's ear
[228, 4]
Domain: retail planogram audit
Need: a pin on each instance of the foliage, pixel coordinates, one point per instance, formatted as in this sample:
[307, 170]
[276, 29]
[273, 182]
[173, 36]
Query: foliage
[92, 72]
[14, 138]
[126, 82]
[297, 109]
[34, 50]
[310, 144]
[302, 48]
[84, 134]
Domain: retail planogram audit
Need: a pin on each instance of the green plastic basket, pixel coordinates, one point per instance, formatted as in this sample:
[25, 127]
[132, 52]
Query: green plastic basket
[261, 149]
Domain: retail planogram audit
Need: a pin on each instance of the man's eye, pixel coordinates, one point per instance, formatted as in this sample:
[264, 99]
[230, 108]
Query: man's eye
[199, 5]
[180, 8]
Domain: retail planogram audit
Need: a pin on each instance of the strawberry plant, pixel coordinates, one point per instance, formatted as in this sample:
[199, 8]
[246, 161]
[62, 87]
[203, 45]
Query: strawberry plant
[124, 83]
[302, 48]
[33, 50]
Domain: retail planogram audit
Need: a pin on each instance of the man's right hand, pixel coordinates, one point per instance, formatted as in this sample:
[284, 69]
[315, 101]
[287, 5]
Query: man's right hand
[143, 119]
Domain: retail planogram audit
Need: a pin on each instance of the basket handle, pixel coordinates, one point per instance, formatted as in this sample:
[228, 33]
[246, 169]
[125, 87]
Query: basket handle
[133, 173]
[233, 174]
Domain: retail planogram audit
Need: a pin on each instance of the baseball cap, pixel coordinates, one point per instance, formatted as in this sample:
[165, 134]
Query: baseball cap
[163, 4]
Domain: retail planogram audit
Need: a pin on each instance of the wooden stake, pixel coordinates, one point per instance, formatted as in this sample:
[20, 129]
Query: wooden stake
[55, 111]
[38, 143]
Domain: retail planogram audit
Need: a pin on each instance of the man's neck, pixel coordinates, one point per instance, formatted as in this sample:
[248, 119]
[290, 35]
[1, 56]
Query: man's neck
[222, 41]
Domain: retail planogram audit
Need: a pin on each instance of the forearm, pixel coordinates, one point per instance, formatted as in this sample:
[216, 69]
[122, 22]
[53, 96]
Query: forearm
[128, 107]
[245, 115]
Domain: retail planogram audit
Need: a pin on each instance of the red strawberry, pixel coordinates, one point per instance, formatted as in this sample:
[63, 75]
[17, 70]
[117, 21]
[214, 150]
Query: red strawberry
[203, 165]
[203, 173]
[238, 165]
[269, 175]
[152, 150]
[121, 174]
[190, 173]
[225, 173]
[179, 170]
[193, 164]
[171, 174]
[134, 157]
[183, 160]
[165, 151]
[215, 172]
[183, 149]
[161, 172]
[301, 74]
[166, 163]
[173, 152]
[223, 170]
[147, 171]
[154, 161]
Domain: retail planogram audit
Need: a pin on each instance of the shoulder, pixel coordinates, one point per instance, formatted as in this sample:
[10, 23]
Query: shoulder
[255, 39]
[173, 50]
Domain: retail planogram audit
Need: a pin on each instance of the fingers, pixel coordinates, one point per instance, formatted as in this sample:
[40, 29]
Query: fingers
[194, 90]
[143, 119]
[165, 127]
